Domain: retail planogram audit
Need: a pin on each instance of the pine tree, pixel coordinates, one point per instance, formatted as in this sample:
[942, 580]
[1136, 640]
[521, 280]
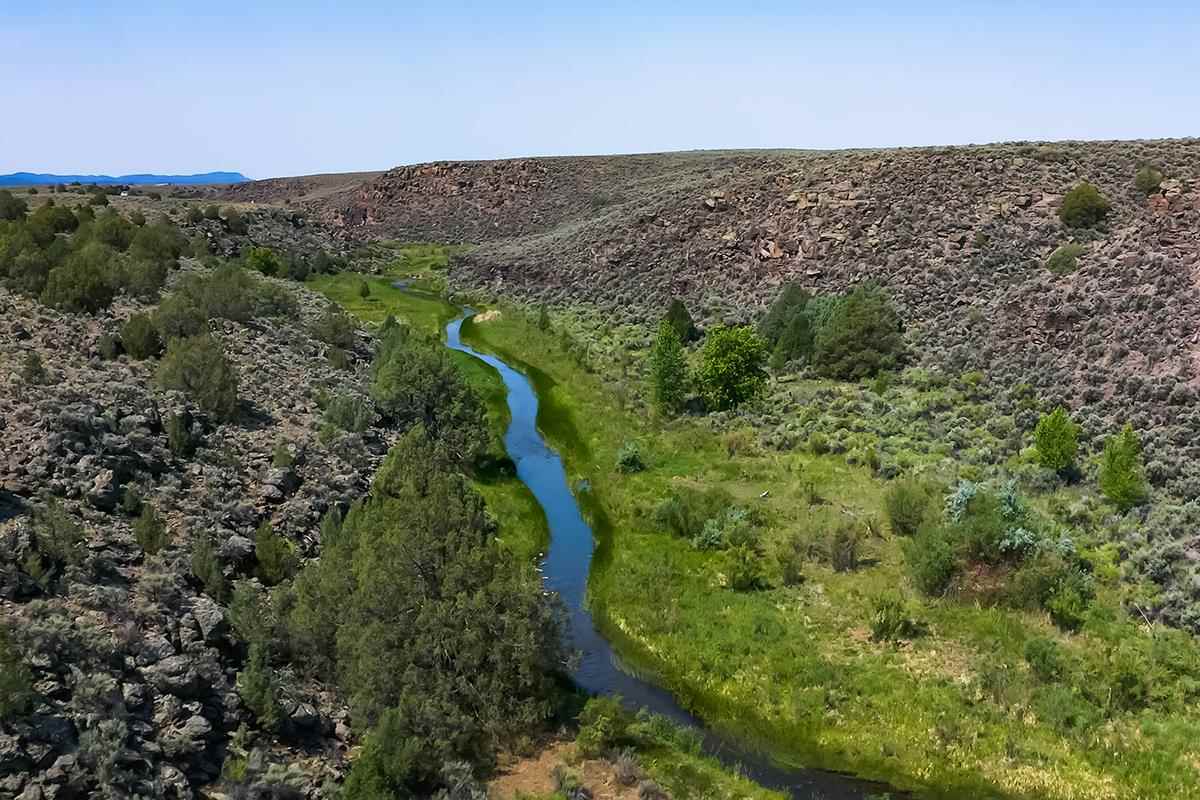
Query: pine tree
[668, 370]
[681, 320]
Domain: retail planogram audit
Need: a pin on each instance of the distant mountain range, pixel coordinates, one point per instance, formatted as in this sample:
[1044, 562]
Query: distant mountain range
[37, 178]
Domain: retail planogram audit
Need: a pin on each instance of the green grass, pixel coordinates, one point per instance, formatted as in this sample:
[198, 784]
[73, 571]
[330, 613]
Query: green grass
[955, 713]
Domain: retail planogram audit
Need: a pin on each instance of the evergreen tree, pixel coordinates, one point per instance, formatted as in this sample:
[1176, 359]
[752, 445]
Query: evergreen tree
[668, 370]
[1056, 438]
[861, 336]
[1121, 478]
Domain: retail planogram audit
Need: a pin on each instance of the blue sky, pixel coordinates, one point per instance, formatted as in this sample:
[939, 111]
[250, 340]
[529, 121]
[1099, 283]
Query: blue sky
[277, 88]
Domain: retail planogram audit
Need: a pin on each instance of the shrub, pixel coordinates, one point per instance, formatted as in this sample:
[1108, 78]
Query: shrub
[140, 338]
[276, 560]
[180, 438]
[212, 212]
[364, 289]
[891, 620]
[137, 218]
[685, 512]
[281, 456]
[194, 215]
[178, 317]
[262, 259]
[668, 370]
[109, 346]
[334, 328]
[98, 199]
[150, 531]
[1064, 260]
[932, 559]
[57, 537]
[11, 207]
[603, 724]
[1148, 179]
[33, 371]
[1121, 476]
[206, 568]
[161, 243]
[681, 322]
[1044, 658]
[862, 335]
[843, 541]
[731, 370]
[235, 223]
[791, 553]
[16, 679]
[1056, 438]
[198, 367]
[629, 458]
[1083, 207]
[906, 504]
[258, 690]
[348, 413]
[83, 283]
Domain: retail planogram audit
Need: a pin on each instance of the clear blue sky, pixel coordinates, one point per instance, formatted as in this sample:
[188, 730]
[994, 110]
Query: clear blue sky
[277, 88]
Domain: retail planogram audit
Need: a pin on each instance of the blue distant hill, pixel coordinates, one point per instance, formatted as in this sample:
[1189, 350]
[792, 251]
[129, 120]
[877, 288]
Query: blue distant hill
[37, 178]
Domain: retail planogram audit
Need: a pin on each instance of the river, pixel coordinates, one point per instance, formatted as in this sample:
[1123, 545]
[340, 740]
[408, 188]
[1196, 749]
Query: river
[565, 571]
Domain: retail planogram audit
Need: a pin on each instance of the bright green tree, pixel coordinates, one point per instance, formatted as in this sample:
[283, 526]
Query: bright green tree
[1056, 438]
[1121, 478]
[668, 370]
[732, 367]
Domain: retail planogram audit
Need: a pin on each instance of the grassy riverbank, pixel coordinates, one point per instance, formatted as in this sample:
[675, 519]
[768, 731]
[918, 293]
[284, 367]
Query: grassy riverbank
[670, 757]
[955, 713]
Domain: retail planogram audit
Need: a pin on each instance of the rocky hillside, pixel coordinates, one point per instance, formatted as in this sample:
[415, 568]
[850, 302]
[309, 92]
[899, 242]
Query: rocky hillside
[960, 236]
[133, 663]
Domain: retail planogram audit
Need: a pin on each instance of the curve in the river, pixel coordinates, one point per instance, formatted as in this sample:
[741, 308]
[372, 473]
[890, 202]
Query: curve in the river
[565, 570]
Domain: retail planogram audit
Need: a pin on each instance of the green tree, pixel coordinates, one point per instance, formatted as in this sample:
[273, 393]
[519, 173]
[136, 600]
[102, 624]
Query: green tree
[432, 630]
[1056, 438]
[1083, 207]
[862, 335]
[84, 282]
[1121, 478]
[198, 367]
[206, 568]
[258, 688]
[906, 503]
[681, 320]
[668, 370]
[235, 223]
[33, 371]
[414, 383]
[731, 367]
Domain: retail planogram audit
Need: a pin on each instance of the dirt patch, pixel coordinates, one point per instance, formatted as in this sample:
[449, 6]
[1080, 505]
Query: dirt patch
[535, 775]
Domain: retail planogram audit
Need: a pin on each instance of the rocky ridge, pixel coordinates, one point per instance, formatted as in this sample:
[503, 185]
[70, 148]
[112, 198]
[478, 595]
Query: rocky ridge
[134, 666]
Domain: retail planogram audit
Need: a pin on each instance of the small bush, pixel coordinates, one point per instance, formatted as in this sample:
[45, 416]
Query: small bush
[334, 328]
[262, 259]
[177, 317]
[83, 283]
[1083, 207]
[276, 560]
[110, 347]
[843, 542]
[1148, 179]
[686, 511]
[16, 679]
[198, 367]
[629, 458]
[140, 338]
[235, 223]
[180, 439]
[603, 724]
[1044, 658]
[348, 413]
[212, 212]
[57, 536]
[906, 504]
[33, 371]
[932, 559]
[150, 531]
[206, 568]
[891, 620]
[1064, 260]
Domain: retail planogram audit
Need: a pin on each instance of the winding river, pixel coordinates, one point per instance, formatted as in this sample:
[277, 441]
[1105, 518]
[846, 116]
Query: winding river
[565, 571]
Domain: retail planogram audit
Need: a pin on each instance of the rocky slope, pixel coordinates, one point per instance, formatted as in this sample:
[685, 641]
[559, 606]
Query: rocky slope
[134, 666]
[960, 237]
